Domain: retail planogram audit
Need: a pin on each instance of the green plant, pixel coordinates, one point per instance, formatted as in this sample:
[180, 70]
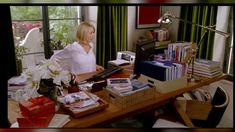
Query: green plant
[19, 51]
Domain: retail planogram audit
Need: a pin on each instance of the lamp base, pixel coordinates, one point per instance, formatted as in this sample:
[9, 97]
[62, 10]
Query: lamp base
[193, 78]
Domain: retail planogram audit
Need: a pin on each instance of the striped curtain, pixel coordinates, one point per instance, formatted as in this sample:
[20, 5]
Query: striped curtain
[203, 15]
[111, 33]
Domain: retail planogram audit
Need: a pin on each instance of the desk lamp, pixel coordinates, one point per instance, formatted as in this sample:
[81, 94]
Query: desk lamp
[166, 19]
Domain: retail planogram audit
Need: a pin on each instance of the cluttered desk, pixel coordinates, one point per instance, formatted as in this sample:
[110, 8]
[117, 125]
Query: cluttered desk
[114, 112]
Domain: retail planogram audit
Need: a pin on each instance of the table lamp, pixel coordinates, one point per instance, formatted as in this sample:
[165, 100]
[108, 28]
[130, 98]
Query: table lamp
[166, 19]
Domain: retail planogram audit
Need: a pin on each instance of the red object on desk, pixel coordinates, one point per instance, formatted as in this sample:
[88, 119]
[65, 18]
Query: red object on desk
[73, 89]
[34, 122]
[36, 107]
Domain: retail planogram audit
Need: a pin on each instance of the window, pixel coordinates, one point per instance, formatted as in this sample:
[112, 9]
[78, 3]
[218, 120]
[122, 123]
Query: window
[31, 23]
[63, 21]
[229, 50]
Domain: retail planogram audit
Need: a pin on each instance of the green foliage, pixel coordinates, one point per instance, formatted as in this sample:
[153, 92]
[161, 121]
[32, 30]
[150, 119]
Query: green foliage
[20, 50]
[62, 31]
[26, 12]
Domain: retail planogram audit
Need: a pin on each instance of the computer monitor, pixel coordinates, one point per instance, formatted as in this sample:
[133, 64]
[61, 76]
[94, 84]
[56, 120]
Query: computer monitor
[144, 51]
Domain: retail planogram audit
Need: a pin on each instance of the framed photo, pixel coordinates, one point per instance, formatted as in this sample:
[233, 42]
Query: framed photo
[147, 16]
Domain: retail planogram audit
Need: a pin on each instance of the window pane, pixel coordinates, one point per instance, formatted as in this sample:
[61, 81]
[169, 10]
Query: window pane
[63, 12]
[26, 13]
[21, 28]
[28, 35]
[62, 32]
[63, 21]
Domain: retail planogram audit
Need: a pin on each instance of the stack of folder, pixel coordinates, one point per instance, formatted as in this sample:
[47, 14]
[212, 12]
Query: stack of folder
[163, 70]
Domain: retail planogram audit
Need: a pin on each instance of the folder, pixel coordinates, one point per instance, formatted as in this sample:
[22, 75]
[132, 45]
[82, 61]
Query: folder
[153, 70]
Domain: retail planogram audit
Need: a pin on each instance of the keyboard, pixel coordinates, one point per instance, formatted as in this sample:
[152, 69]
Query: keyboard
[104, 74]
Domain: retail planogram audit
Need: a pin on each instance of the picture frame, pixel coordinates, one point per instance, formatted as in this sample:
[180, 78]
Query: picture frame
[147, 16]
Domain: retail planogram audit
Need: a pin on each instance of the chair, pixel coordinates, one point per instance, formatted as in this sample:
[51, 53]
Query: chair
[219, 102]
[35, 49]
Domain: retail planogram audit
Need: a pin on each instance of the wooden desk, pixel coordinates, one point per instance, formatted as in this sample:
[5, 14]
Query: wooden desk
[113, 112]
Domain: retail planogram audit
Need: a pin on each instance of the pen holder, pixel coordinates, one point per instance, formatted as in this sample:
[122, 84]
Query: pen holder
[73, 89]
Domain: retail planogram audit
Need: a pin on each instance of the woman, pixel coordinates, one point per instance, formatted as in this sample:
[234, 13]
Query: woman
[79, 57]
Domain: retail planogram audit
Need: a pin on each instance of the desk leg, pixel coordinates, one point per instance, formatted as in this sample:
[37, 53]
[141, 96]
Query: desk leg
[183, 115]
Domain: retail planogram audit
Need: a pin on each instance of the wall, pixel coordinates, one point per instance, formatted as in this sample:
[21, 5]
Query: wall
[134, 34]
[90, 14]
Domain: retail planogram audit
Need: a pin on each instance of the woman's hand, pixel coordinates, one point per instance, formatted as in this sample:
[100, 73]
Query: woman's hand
[99, 68]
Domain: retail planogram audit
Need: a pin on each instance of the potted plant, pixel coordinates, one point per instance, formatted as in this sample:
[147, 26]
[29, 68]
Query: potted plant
[19, 51]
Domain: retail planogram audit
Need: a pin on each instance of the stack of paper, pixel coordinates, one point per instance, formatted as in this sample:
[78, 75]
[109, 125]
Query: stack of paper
[59, 120]
[119, 85]
[206, 68]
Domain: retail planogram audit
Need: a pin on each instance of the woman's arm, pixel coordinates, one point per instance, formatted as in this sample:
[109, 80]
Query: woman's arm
[99, 68]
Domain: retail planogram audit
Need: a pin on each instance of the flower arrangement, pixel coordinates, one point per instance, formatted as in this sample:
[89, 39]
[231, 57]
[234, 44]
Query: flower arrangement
[46, 76]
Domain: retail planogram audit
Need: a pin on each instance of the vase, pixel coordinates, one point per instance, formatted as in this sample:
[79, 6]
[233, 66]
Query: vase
[48, 88]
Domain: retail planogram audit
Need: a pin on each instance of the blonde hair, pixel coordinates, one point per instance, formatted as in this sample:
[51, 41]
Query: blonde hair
[82, 31]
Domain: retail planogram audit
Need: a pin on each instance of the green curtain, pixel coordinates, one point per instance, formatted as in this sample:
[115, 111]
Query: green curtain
[203, 15]
[111, 33]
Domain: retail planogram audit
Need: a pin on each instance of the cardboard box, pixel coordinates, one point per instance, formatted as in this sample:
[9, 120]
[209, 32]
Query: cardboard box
[131, 99]
[165, 86]
[37, 107]
[198, 109]
[34, 122]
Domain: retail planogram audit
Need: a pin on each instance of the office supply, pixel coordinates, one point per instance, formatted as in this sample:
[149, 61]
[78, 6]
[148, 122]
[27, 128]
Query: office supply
[118, 82]
[83, 103]
[104, 74]
[153, 70]
[126, 55]
[165, 86]
[118, 62]
[129, 99]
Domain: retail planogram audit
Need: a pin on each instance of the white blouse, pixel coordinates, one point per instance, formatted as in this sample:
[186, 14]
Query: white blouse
[75, 59]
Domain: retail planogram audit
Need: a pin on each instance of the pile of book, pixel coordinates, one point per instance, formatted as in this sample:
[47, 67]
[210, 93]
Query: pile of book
[206, 68]
[125, 86]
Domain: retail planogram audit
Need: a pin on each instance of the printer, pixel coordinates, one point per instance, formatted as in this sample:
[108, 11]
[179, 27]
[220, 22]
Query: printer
[123, 58]
[126, 55]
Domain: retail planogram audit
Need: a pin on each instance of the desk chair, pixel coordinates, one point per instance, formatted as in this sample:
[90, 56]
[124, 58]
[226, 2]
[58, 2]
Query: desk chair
[219, 102]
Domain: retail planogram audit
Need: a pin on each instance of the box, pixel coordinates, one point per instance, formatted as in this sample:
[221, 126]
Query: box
[36, 107]
[198, 109]
[131, 99]
[34, 122]
[165, 86]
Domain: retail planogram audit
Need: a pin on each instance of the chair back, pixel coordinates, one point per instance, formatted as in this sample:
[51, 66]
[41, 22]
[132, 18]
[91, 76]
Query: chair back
[220, 102]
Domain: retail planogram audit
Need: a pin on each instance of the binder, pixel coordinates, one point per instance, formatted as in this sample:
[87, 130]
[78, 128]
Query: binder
[153, 70]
